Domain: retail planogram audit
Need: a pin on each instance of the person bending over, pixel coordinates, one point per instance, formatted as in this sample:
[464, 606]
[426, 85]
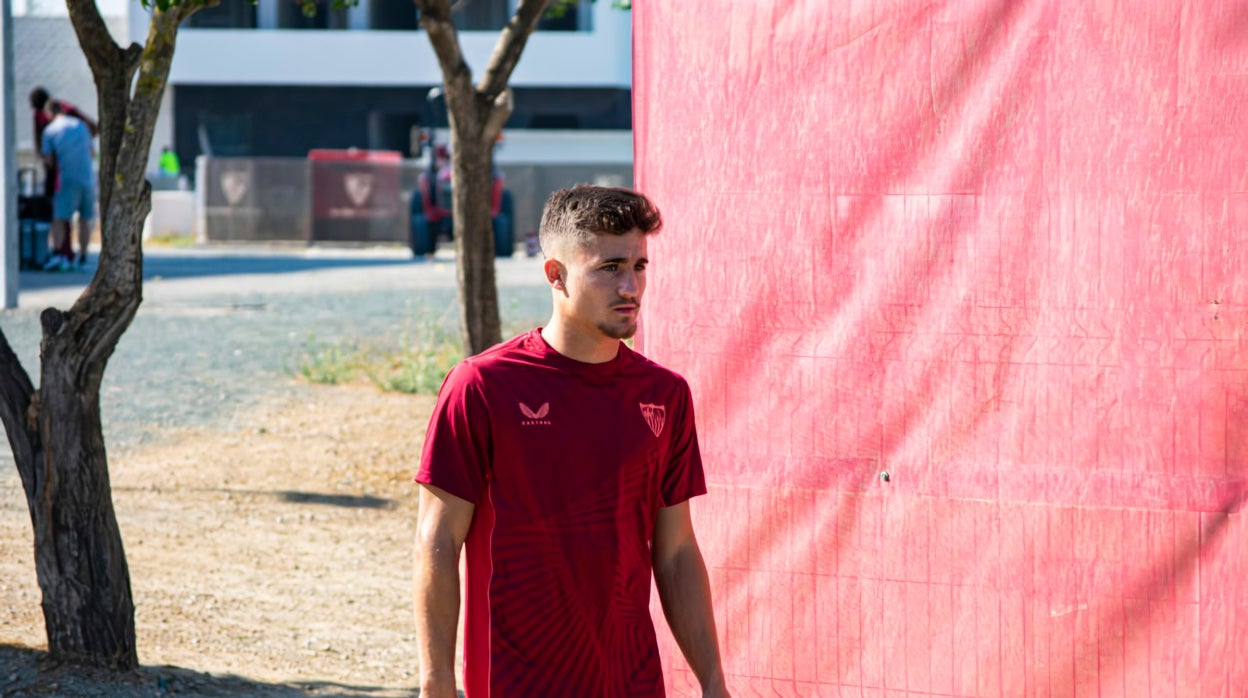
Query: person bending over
[67, 148]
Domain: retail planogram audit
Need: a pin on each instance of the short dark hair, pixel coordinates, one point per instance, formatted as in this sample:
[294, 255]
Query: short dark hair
[56, 107]
[577, 213]
[38, 98]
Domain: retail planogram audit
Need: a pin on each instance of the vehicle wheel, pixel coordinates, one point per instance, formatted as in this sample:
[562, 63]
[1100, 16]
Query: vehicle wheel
[504, 236]
[422, 242]
[507, 205]
[504, 227]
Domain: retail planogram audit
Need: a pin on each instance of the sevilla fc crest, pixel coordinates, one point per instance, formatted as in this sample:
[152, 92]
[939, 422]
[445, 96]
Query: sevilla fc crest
[359, 186]
[234, 185]
[655, 416]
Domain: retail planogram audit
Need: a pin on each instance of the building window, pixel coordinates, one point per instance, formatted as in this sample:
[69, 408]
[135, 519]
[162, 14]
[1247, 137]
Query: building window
[229, 14]
[481, 15]
[392, 14]
[290, 15]
[224, 135]
[569, 17]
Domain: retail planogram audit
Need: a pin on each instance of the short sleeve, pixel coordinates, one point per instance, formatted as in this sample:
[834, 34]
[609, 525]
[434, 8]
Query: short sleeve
[457, 451]
[683, 477]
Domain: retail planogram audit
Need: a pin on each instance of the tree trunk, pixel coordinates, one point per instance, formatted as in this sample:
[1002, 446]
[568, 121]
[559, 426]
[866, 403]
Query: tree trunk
[471, 167]
[55, 432]
[79, 560]
[477, 114]
[58, 446]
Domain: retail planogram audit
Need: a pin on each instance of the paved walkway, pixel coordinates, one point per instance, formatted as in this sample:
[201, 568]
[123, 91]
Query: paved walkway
[219, 270]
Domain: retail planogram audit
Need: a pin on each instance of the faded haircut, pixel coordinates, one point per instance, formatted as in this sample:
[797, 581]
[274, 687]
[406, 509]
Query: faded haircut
[577, 214]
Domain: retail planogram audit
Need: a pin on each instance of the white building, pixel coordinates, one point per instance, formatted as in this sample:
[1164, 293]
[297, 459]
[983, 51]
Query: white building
[264, 80]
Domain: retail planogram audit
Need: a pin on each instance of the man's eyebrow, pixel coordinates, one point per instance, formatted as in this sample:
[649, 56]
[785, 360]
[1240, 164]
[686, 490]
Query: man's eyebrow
[623, 260]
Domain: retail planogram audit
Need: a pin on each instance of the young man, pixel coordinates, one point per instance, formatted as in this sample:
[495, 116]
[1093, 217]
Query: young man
[565, 462]
[67, 149]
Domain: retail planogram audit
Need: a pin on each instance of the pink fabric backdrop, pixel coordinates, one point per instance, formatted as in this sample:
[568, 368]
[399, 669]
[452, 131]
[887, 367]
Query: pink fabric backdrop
[999, 251]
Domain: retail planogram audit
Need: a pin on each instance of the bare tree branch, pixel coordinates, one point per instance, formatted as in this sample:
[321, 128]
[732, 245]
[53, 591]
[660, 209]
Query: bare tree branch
[102, 314]
[16, 393]
[500, 111]
[188, 9]
[435, 19]
[131, 57]
[153, 62]
[510, 45]
[97, 42]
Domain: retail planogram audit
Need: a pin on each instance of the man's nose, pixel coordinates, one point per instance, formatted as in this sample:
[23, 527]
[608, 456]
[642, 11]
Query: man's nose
[628, 285]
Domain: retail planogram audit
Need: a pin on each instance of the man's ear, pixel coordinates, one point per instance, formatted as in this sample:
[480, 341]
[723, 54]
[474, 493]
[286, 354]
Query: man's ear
[556, 275]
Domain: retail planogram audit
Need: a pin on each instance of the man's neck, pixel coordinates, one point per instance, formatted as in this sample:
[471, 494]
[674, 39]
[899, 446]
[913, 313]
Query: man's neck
[579, 346]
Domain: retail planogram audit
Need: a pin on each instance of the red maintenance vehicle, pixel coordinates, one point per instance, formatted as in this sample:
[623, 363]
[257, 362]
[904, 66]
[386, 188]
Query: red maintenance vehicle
[431, 205]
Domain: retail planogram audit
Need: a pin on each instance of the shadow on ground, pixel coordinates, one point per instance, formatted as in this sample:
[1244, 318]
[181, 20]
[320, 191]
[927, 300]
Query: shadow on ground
[346, 501]
[30, 672]
[338, 500]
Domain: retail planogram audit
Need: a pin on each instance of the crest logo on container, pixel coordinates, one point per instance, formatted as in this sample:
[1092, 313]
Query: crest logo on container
[359, 186]
[234, 184]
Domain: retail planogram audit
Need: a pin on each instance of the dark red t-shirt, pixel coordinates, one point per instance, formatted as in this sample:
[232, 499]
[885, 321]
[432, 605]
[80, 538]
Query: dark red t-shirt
[568, 464]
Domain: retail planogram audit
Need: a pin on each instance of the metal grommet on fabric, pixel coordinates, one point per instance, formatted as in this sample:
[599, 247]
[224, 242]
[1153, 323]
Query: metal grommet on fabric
[884, 476]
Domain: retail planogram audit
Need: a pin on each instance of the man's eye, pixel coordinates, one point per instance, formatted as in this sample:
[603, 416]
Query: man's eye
[611, 267]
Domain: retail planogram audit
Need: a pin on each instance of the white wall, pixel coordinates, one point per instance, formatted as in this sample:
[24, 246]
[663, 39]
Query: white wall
[581, 147]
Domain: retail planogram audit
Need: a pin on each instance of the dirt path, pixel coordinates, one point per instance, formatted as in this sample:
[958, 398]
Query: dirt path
[270, 561]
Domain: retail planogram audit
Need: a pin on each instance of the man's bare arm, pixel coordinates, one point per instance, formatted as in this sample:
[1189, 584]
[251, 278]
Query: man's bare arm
[685, 591]
[442, 525]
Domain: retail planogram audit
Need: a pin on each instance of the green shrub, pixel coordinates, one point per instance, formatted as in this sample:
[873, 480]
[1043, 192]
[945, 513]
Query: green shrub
[329, 365]
[426, 350]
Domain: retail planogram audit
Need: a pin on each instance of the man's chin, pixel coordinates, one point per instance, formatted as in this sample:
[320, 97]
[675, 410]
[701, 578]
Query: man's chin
[619, 331]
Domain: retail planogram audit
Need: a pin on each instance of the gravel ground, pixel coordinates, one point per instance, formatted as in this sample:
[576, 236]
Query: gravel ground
[267, 521]
[222, 328]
